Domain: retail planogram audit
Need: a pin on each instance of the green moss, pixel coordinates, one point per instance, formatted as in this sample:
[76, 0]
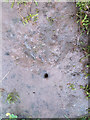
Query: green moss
[12, 97]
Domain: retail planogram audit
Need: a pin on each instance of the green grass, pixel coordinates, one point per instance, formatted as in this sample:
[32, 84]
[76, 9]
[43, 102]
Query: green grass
[83, 16]
[72, 86]
[11, 116]
[50, 20]
[86, 90]
[12, 97]
[29, 18]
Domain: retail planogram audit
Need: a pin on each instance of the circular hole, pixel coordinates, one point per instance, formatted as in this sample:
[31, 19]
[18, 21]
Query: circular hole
[7, 53]
[88, 63]
[33, 92]
[45, 75]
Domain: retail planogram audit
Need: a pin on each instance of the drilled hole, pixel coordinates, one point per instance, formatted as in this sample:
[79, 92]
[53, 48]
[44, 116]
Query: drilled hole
[7, 53]
[45, 75]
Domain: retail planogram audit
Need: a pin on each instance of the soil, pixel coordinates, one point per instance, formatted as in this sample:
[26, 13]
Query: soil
[41, 60]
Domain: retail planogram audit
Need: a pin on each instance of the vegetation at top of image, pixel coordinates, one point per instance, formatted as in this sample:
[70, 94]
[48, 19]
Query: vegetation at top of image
[86, 90]
[36, 2]
[83, 16]
[18, 3]
[22, 2]
[29, 17]
[12, 97]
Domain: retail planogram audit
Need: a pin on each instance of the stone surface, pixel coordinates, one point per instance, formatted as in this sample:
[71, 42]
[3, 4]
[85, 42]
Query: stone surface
[32, 50]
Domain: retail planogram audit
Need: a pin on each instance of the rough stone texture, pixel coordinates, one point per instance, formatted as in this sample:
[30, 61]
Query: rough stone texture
[32, 50]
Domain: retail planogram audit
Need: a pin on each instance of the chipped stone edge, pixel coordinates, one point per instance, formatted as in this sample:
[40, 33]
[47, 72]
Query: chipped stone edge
[0, 50]
[46, 0]
[0, 42]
